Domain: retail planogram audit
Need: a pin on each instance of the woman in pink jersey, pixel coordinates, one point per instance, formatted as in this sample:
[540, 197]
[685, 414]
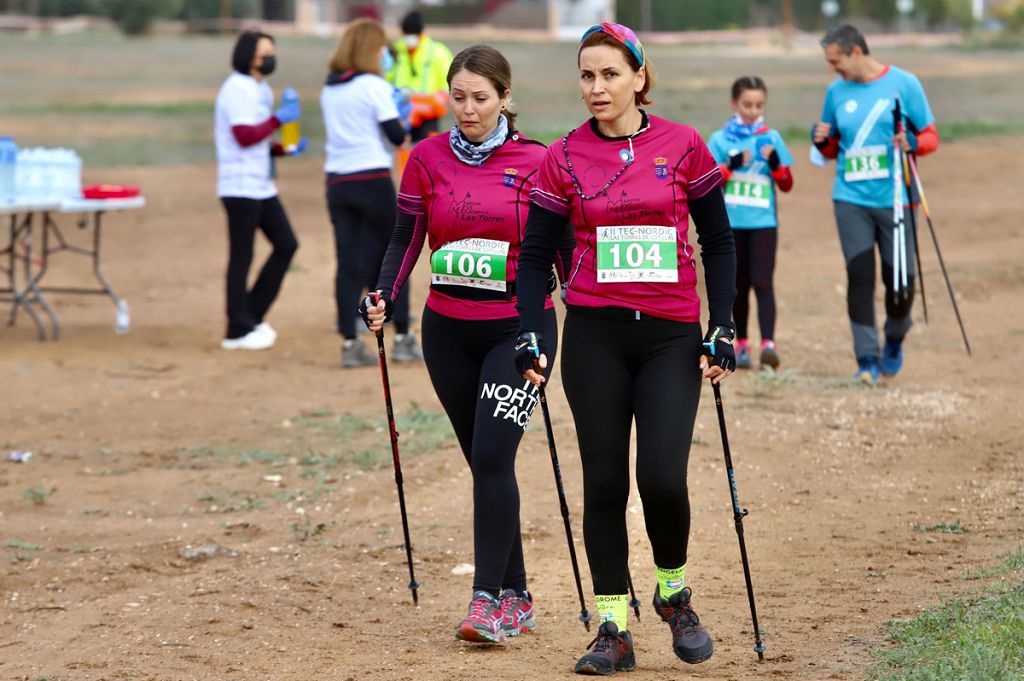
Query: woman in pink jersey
[628, 182]
[467, 193]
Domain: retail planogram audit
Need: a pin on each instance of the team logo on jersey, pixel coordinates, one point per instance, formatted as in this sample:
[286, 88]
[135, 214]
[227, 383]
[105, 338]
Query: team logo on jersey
[509, 179]
[466, 209]
[851, 106]
[661, 167]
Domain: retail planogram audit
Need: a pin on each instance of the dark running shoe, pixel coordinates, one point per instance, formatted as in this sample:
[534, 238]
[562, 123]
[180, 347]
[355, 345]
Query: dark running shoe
[517, 612]
[482, 623]
[769, 355]
[892, 357]
[743, 360]
[610, 652]
[689, 639]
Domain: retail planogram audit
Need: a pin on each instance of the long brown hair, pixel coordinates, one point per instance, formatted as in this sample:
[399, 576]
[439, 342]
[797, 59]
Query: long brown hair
[602, 38]
[484, 60]
[359, 48]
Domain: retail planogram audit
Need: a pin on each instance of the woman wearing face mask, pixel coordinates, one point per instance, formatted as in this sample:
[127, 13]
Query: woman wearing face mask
[363, 127]
[628, 182]
[465, 193]
[244, 123]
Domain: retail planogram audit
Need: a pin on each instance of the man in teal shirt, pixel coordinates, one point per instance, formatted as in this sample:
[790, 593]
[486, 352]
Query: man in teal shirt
[858, 129]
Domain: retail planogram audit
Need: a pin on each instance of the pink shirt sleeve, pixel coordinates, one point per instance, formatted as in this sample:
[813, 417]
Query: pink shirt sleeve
[548, 190]
[702, 171]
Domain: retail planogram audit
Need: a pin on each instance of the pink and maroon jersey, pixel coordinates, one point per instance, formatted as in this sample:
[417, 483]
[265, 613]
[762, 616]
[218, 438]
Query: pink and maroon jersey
[672, 166]
[455, 201]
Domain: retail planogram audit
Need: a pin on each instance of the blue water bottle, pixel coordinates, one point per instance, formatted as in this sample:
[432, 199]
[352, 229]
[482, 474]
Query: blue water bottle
[8, 166]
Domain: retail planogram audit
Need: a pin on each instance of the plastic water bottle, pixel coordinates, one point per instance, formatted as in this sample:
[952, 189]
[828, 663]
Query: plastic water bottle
[124, 317]
[8, 170]
[290, 132]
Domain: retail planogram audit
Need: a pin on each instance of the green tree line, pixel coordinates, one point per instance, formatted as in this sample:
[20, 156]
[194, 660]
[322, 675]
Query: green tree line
[136, 16]
[695, 15]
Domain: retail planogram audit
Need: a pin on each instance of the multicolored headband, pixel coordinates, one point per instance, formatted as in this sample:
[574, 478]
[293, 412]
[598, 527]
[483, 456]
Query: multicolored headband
[623, 34]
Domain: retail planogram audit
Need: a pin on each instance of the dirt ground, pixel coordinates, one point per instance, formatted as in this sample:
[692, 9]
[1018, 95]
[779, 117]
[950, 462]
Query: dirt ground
[149, 444]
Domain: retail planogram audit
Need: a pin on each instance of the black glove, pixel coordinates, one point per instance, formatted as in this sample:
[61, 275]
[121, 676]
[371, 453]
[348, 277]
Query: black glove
[718, 347]
[529, 347]
[552, 282]
[774, 161]
[371, 300]
[736, 160]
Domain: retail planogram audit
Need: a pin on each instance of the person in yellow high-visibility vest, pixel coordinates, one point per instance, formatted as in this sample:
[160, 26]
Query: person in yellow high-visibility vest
[421, 71]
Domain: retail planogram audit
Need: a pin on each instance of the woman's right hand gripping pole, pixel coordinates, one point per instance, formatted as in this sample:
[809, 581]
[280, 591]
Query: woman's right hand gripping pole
[531, 356]
[376, 309]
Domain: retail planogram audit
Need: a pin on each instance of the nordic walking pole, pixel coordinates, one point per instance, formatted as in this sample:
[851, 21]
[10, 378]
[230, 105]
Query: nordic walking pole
[913, 230]
[584, 615]
[938, 251]
[634, 602]
[737, 514]
[905, 167]
[413, 584]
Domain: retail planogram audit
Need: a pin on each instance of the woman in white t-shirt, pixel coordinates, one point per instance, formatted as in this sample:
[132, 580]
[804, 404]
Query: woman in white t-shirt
[363, 126]
[244, 121]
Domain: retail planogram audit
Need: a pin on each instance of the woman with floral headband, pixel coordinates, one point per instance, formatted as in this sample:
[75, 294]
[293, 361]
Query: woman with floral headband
[628, 182]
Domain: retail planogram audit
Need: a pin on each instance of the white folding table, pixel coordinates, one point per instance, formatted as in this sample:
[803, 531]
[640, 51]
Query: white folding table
[35, 261]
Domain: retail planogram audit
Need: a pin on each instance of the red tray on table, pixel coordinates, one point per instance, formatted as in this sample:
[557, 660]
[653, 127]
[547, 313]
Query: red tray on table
[110, 191]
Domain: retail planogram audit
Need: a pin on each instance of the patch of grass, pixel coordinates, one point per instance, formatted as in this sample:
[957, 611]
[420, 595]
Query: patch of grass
[38, 495]
[1012, 562]
[369, 459]
[21, 550]
[959, 130]
[107, 109]
[976, 636]
[305, 529]
[954, 527]
[423, 430]
[234, 455]
[82, 549]
[226, 501]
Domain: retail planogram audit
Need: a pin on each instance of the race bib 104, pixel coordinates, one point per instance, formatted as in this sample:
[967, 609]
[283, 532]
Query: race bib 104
[867, 163]
[749, 189]
[637, 253]
[477, 263]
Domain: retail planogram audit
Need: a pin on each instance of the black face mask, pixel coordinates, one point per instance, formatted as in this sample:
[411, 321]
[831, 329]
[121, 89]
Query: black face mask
[268, 65]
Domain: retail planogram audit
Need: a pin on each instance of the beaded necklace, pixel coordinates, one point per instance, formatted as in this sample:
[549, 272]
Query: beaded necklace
[603, 190]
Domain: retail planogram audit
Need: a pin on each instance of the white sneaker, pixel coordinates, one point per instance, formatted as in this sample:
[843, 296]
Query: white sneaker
[267, 330]
[254, 340]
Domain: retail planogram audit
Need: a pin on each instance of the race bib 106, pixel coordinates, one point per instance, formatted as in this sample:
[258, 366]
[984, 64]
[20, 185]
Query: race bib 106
[637, 253]
[867, 163]
[477, 263]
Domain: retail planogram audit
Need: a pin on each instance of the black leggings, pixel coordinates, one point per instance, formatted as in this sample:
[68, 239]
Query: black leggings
[363, 213]
[489, 405]
[615, 370]
[247, 307]
[755, 266]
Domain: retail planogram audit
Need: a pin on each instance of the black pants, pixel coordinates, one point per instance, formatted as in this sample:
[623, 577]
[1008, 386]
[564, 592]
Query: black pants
[489, 405]
[860, 229]
[363, 213]
[755, 267]
[247, 307]
[615, 370]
